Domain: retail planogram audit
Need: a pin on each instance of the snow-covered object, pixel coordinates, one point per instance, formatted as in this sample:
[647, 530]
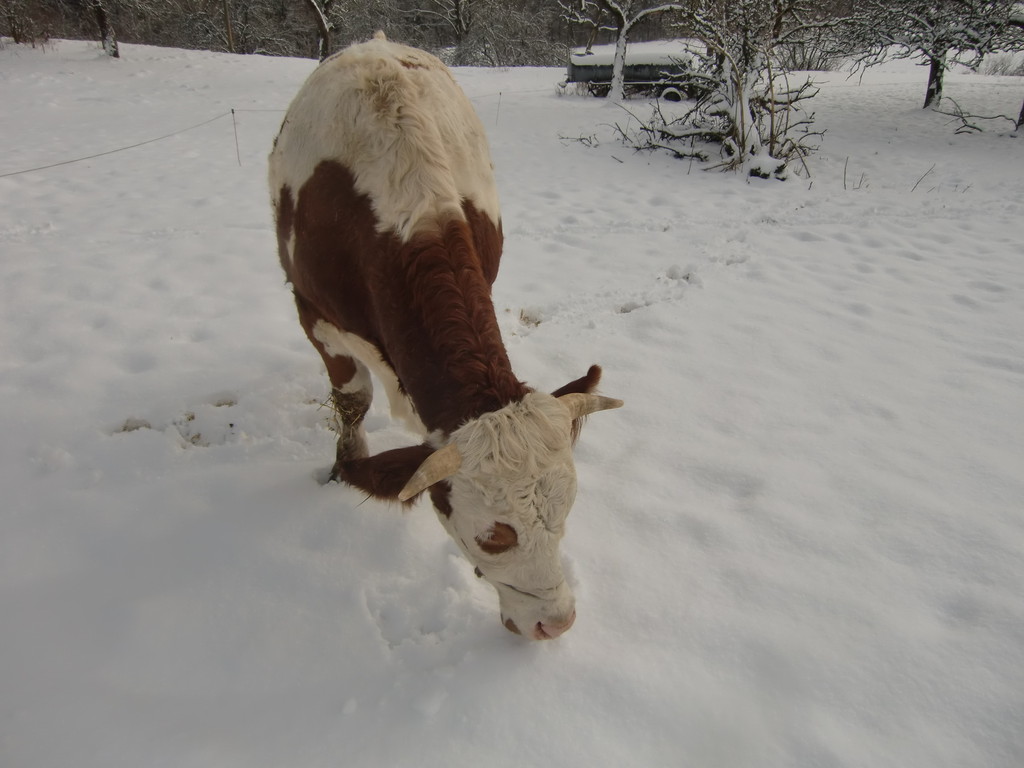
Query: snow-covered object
[650, 67]
[650, 53]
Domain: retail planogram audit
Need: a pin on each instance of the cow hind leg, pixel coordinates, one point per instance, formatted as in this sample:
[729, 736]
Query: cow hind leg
[351, 388]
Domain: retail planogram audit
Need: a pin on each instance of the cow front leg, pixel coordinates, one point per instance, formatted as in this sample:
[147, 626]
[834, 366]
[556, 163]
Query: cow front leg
[349, 410]
[351, 394]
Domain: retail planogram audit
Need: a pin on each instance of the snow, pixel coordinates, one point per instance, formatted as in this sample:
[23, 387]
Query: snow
[799, 544]
[650, 52]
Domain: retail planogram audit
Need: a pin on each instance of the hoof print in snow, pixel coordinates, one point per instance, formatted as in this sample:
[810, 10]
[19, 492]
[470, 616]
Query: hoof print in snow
[189, 430]
[531, 317]
[680, 274]
[632, 306]
[132, 424]
[211, 423]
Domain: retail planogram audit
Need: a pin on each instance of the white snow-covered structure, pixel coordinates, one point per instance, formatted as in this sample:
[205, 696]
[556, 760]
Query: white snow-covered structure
[654, 67]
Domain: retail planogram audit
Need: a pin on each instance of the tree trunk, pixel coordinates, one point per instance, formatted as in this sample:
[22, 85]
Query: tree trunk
[326, 44]
[590, 40]
[323, 29]
[1020, 120]
[14, 22]
[107, 37]
[228, 27]
[618, 90]
[936, 70]
[463, 20]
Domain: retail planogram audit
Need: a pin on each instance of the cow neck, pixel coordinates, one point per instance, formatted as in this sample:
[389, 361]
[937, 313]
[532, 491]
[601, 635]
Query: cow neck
[442, 333]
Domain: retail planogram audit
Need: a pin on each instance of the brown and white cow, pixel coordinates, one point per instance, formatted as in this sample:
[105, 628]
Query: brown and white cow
[389, 232]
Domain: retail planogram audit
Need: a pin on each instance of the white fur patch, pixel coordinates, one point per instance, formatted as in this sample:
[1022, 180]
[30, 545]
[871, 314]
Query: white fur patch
[338, 343]
[396, 118]
[517, 469]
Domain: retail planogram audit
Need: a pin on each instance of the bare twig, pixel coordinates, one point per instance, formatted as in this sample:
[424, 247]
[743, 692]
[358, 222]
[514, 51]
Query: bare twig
[964, 117]
[926, 173]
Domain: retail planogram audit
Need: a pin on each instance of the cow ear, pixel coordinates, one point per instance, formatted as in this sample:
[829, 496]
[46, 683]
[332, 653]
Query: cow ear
[583, 385]
[384, 476]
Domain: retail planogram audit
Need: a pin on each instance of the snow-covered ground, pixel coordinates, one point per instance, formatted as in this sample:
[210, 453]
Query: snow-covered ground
[800, 544]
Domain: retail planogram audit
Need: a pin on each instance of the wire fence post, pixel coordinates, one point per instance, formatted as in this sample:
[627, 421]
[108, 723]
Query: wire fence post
[234, 123]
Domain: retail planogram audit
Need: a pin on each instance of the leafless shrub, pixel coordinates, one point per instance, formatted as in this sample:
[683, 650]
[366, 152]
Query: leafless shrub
[1003, 64]
[748, 110]
[807, 56]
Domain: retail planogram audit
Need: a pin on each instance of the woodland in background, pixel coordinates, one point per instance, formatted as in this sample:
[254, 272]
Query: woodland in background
[743, 107]
[482, 32]
[530, 32]
[470, 32]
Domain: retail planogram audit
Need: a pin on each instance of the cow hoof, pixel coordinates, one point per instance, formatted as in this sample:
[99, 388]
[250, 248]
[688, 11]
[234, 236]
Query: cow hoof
[325, 476]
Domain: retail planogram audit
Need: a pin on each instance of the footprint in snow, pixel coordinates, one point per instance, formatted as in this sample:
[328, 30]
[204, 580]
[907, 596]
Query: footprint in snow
[668, 287]
[211, 423]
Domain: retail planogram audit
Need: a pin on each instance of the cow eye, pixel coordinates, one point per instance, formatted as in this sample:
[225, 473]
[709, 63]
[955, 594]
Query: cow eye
[501, 537]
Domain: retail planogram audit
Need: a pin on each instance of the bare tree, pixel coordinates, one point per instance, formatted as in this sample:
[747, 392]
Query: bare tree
[229, 29]
[498, 32]
[323, 26]
[107, 37]
[1014, 41]
[941, 32]
[455, 18]
[1017, 30]
[745, 105]
[508, 34]
[619, 17]
[589, 15]
[17, 21]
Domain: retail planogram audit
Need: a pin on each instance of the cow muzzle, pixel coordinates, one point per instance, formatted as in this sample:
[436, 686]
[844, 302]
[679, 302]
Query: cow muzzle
[537, 618]
[542, 631]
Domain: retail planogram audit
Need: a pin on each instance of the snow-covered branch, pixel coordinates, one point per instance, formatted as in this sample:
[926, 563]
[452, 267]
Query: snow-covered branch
[942, 32]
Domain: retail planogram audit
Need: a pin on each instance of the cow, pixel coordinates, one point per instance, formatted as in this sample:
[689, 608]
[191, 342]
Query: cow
[389, 233]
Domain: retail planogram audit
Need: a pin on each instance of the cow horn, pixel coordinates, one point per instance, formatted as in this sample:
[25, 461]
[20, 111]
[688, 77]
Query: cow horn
[441, 464]
[581, 405]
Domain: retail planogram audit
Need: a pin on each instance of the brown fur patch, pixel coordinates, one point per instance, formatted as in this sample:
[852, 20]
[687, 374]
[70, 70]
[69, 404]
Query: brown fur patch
[500, 538]
[459, 368]
[488, 239]
[424, 304]
[340, 368]
[440, 495]
[583, 385]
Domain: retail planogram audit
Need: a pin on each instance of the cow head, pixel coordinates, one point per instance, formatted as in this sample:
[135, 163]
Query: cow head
[502, 485]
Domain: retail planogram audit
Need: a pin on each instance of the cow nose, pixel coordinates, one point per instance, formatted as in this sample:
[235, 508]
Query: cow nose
[550, 631]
